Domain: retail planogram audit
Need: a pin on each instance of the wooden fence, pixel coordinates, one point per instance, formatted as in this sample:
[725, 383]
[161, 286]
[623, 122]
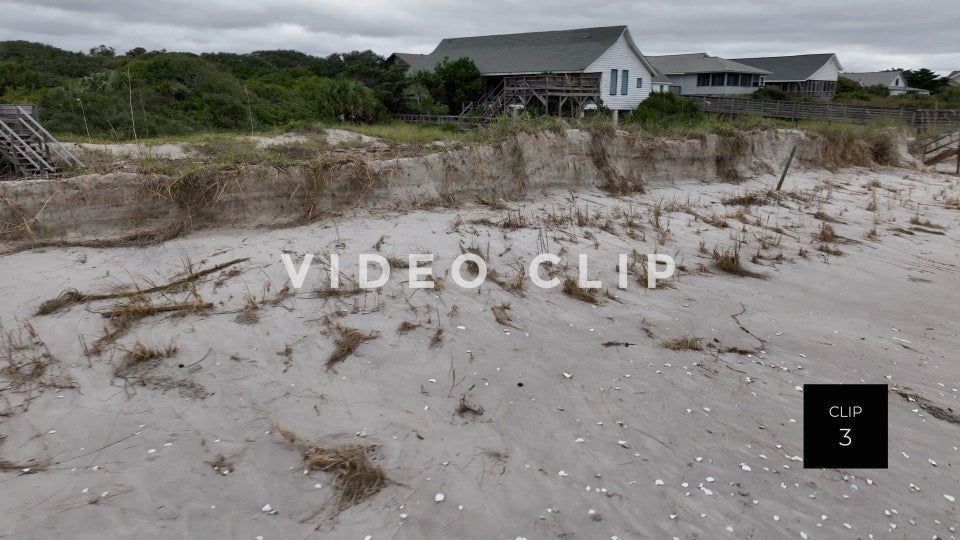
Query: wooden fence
[800, 110]
[465, 121]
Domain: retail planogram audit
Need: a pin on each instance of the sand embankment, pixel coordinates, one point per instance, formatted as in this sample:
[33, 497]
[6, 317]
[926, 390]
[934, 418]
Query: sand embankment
[146, 207]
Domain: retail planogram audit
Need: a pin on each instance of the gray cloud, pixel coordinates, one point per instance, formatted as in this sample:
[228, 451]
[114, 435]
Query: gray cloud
[865, 34]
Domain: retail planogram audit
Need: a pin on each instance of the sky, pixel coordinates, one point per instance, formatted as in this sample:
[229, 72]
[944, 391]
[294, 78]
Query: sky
[866, 35]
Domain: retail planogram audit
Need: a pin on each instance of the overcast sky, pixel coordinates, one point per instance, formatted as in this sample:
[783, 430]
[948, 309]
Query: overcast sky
[866, 35]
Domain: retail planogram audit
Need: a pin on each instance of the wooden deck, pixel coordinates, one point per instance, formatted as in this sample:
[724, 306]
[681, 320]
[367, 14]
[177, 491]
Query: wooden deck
[555, 93]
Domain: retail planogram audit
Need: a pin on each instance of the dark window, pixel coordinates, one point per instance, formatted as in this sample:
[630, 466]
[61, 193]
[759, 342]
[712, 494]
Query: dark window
[639, 82]
[716, 79]
[738, 79]
[626, 82]
[703, 79]
[613, 82]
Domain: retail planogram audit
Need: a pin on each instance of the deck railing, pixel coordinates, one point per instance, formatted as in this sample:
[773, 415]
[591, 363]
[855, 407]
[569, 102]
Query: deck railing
[800, 110]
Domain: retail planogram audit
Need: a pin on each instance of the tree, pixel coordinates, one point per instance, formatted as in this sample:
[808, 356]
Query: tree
[103, 50]
[924, 78]
[454, 83]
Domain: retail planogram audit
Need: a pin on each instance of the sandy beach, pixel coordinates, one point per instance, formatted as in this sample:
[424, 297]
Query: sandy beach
[506, 411]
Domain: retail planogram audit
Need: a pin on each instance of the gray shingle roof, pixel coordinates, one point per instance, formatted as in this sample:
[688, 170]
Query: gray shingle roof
[870, 78]
[788, 68]
[530, 52]
[408, 58]
[678, 64]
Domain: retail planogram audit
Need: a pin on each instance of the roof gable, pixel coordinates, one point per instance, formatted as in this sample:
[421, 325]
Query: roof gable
[883, 78]
[530, 52]
[790, 68]
[407, 58]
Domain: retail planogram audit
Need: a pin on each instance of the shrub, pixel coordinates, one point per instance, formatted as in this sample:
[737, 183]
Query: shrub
[666, 109]
[770, 92]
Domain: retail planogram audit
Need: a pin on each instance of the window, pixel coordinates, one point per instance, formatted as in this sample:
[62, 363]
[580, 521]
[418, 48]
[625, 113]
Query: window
[613, 82]
[703, 79]
[639, 82]
[733, 79]
[716, 79]
[626, 82]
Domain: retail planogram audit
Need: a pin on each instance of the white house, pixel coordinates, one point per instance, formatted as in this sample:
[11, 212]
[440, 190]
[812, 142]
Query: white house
[561, 71]
[804, 75]
[699, 74]
[954, 78]
[892, 79]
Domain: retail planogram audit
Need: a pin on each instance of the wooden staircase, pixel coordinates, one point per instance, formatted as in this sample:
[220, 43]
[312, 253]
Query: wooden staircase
[26, 148]
[940, 148]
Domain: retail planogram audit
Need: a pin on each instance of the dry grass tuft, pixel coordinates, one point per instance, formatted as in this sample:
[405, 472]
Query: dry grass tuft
[137, 359]
[823, 216]
[465, 408]
[350, 288]
[407, 326]
[826, 233]
[347, 342]
[753, 198]
[437, 339]
[829, 250]
[27, 367]
[915, 220]
[356, 478]
[729, 262]
[141, 352]
[121, 318]
[518, 283]
[686, 343]
[572, 288]
[500, 313]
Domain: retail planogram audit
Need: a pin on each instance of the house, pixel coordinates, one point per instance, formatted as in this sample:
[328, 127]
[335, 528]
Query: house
[560, 72]
[699, 74]
[407, 59]
[954, 78]
[804, 75]
[661, 83]
[893, 80]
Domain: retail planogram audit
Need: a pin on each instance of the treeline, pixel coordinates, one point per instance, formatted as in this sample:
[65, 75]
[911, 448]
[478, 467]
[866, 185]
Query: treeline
[160, 93]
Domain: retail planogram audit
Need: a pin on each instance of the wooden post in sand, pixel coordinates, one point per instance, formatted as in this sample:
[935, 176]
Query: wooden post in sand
[786, 167]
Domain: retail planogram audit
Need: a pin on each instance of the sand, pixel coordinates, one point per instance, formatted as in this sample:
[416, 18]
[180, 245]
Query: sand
[577, 439]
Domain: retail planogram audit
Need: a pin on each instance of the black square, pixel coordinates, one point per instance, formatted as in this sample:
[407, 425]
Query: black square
[845, 426]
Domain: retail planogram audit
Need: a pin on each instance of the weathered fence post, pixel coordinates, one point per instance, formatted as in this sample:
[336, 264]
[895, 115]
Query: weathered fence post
[786, 167]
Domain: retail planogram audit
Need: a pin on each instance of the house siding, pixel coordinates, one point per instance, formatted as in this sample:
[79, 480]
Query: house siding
[828, 72]
[620, 56]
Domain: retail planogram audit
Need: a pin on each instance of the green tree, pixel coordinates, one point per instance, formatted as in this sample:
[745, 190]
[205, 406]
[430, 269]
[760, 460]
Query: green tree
[454, 83]
[924, 78]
